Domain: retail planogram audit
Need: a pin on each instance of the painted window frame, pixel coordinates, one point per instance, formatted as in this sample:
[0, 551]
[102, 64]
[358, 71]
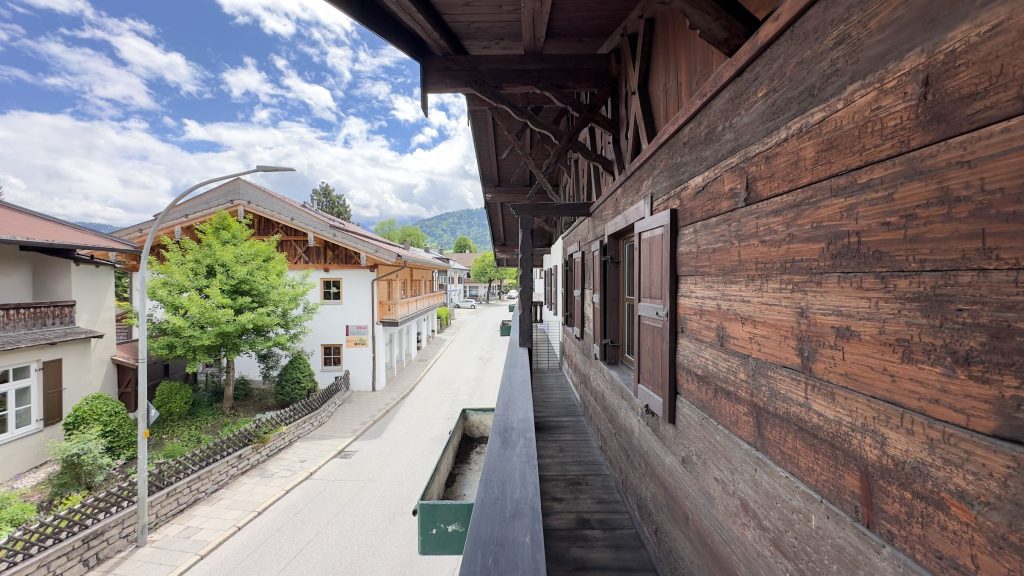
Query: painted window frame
[341, 291]
[340, 357]
[9, 388]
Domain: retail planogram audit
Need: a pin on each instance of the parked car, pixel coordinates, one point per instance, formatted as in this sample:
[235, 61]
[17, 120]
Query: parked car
[512, 294]
[467, 303]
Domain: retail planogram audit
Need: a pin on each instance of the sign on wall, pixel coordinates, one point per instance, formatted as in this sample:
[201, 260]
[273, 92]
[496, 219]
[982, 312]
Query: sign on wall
[357, 336]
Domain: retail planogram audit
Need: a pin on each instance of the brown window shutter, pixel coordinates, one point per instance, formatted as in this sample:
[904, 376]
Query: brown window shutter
[567, 293]
[654, 376]
[53, 392]
[598, 267]
[577, 294]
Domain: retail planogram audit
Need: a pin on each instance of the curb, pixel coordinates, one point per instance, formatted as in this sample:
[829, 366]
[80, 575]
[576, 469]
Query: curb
[216, 543]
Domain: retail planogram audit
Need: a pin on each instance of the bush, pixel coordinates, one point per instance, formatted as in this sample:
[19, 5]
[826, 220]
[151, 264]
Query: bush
[84, 463]
[295, 381]
[107, 415]
[444, 317]
[243, 388]
[73, 499]
[173, 400]
[14, 512]
[173, 450]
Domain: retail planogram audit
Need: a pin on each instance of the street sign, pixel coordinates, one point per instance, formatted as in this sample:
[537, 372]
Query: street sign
[151, 413]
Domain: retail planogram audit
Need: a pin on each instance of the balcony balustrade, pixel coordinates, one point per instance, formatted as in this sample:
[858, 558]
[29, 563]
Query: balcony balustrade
[31, 316]
[396, 310]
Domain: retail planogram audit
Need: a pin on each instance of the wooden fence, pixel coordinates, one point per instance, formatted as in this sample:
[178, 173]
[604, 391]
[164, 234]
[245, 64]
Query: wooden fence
[31, 540]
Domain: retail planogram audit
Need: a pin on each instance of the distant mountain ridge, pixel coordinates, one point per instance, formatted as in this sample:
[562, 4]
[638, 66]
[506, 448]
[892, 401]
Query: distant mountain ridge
[442, 230]
[99, 226]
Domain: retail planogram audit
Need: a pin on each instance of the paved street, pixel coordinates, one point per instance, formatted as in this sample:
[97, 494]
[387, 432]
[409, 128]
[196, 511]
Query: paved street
[354, 516]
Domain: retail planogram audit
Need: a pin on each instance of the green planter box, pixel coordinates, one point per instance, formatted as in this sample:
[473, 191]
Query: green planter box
[446, 505]
[506, 328]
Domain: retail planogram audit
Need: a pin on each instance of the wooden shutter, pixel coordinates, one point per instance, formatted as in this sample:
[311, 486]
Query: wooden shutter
[577, 294]
[598, 270]
[53, 392]
[654, 375]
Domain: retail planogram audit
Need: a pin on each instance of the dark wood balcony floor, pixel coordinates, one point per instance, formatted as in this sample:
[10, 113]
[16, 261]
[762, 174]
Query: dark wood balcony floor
[587, 529]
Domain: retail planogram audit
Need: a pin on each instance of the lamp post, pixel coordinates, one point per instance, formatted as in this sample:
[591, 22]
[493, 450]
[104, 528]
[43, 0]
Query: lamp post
[142, 378]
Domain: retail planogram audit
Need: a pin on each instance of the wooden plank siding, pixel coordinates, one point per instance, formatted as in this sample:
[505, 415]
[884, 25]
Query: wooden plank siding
[850, 299]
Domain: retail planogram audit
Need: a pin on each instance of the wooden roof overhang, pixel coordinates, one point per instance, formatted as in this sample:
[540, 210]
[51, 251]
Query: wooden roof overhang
[540, 77]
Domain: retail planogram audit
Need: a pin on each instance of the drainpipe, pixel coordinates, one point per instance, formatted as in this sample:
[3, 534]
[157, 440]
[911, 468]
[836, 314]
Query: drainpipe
[373, 325]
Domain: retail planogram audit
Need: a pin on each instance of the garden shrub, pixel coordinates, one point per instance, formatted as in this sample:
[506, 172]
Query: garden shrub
[173, 400]
[444, 317]
[14, 512]
[243, 388]
[173, 450]
[295, 381]
[107, 415]
[84, 463]
[73, 499]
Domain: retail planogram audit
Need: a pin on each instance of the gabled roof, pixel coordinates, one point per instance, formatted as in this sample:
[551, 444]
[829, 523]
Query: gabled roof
[23, 227]
[241, 192]
[463, 258]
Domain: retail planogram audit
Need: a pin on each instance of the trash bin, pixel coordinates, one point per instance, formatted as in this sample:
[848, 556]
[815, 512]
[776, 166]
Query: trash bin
[511, 307]
[506, 328]
[446, 505]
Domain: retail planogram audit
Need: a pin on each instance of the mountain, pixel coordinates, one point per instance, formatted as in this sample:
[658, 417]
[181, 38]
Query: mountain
[99, 226]
[443, 229]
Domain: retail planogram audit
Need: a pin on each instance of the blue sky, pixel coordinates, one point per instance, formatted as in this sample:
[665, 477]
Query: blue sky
[109, 108]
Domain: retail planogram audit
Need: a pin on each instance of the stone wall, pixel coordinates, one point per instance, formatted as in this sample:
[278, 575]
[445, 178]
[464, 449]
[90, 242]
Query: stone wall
[84, 551]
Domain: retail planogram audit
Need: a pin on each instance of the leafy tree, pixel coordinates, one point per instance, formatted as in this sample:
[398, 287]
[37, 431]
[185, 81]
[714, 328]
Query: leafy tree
[507, 277]
[464, 245]
[225, 295]
[326, 200]
[413, 235]
[484, 270]
[387, 229]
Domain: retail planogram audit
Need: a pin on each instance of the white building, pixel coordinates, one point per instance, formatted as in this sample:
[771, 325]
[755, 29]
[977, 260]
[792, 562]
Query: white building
[57, 328]
[377, 299]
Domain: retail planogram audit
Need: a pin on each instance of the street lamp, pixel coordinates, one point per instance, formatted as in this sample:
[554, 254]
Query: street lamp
[142, 378]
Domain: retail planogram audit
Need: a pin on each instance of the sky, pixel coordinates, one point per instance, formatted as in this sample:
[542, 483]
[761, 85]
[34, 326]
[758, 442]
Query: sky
[108, 109]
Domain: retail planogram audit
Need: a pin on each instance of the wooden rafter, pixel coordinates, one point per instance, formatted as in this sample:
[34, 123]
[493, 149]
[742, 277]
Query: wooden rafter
[558, 209]
[525, 155]
[385, 25]
[724, 24]
[635, 107]
[570, 140]
[515, 73]
[422, 17]
[535, 25]
[578, 108]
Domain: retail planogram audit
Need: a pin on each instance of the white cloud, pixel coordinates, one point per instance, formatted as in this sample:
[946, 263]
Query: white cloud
[119, 172]
[10, 31]
[99, 81]
[249, 79]
[315, 96]
[10, 73]
[319, 19]
[62, 6]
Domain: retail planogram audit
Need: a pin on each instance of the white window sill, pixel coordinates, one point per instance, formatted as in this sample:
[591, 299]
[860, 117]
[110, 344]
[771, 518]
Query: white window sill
[332, 369]
[21, 434]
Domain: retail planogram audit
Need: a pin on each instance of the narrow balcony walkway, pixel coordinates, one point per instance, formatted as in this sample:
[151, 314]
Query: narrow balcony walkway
[587, 528]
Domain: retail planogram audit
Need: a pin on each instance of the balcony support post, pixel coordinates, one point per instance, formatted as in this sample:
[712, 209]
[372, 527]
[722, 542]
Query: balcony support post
[525, 281]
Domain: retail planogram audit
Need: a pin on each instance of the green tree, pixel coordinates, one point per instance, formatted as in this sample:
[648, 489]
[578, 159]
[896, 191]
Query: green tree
[387, 229]
[413, 235]
[484, 270]
[326, 200]
[464, 245]
[507, 277]
[225, 295]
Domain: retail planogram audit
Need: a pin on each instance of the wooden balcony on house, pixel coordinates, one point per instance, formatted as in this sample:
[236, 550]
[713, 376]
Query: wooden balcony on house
[24, 324]
[395, 311]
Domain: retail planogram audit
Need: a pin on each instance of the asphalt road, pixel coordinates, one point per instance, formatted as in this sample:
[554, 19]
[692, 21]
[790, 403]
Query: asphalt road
[354, 516]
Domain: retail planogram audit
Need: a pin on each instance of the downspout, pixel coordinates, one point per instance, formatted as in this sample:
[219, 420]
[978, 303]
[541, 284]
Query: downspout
[373, 324]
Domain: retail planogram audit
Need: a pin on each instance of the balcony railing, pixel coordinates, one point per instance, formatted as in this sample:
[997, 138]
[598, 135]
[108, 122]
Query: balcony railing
[395, 310]
[31, 316]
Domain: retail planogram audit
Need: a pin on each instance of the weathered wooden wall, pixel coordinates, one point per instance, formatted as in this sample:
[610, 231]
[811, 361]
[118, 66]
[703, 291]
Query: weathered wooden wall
[850, 302]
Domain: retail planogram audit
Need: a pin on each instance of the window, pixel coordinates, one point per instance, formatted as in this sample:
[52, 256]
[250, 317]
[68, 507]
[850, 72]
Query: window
[330, 357]
[330, 290]
[403, 293]
[626, 337]
[19, 401]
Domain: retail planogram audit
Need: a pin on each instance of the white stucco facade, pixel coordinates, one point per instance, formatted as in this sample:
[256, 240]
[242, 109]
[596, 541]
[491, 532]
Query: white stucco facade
[27, 277]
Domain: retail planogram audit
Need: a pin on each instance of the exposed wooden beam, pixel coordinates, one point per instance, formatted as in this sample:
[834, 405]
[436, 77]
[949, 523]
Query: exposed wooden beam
[724, 24]
[507, 193]
[526, 281]
[384, 24]
[535, 25]
[422, 17]
[525, 155]
[572, 136]
[556, 209]
[579, 108]
[516, 73]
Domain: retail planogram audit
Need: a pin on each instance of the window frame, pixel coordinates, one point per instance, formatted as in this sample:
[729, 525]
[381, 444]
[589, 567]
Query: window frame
[33, 383]
[341, 291]
[323, 358]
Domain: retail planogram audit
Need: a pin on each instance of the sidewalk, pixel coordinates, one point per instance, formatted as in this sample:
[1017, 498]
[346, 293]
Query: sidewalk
[181, 543]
